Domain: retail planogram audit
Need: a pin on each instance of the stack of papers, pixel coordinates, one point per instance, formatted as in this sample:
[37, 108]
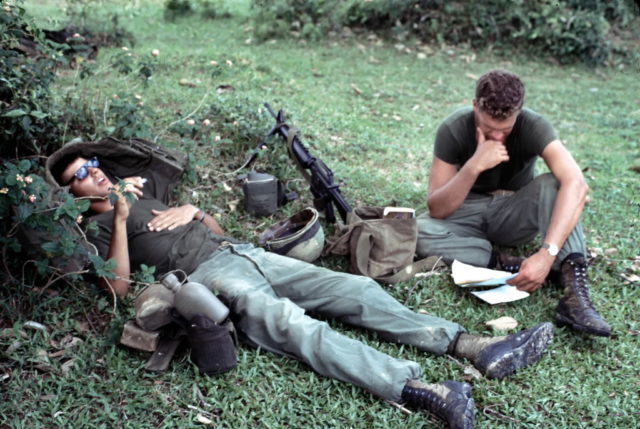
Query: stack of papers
[465, 275]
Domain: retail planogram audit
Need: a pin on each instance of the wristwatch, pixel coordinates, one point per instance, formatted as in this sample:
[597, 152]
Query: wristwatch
[551, 248]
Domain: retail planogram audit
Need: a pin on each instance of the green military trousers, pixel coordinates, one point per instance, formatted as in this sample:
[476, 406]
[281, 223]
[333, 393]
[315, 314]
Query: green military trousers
[509, 220]
[269, 294]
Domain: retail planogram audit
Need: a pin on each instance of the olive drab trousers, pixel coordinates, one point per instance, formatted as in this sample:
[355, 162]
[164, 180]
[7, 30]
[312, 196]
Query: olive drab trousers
[510, 220]
[270, 295]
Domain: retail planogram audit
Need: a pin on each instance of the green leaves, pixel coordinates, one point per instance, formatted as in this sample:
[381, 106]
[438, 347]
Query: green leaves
[103, 268]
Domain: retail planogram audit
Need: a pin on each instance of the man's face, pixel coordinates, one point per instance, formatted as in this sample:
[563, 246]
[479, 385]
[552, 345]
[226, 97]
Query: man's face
[494, 129]
[95, 184]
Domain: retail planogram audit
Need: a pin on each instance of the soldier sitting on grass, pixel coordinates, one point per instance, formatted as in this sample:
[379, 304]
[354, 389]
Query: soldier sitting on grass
[482, 191]
[270, 295]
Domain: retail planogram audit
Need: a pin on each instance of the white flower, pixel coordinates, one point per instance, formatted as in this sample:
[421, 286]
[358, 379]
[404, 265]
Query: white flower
[191, 122]
[206, 122]
[155, 52]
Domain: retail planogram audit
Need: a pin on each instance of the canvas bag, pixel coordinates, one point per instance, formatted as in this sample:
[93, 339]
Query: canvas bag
[380, 248]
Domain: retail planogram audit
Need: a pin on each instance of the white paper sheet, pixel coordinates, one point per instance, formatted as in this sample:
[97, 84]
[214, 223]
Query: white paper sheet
[465, 275]
[505, 293]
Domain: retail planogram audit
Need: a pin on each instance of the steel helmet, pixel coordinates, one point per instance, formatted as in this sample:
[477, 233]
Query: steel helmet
[300, 236]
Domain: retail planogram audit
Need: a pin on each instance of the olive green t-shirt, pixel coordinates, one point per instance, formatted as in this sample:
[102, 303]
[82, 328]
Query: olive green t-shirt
[182, 248]
[456, 143]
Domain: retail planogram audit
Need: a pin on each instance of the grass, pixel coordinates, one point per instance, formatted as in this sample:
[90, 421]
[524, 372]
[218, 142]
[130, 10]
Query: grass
[369, 109]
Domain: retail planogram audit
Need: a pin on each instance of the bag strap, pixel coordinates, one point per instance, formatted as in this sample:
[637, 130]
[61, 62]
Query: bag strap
[293, 132]
[427, 264]
[338, 243]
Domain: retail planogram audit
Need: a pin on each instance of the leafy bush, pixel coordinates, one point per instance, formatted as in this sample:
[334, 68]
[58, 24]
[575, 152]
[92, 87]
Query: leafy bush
[208, 9]
[104, 28]
[37, 224]
[25, 101]
[571, 30]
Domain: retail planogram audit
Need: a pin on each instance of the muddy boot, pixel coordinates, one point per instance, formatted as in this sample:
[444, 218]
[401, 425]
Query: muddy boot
[575, 308]
[505, 262]
[498, 357]
[450, 401]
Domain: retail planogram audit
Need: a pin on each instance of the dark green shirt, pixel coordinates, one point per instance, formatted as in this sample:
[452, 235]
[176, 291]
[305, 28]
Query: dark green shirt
[456, 143]
[182, 248]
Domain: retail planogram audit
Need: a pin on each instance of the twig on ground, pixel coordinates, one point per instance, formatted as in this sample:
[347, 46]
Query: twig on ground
[6, 266]
[204, 97]
[398, 406]
[429, 273]
[455, 360]
[489, 411]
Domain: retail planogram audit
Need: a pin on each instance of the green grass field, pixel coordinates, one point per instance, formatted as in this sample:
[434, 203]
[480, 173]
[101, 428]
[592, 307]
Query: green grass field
[369, 109]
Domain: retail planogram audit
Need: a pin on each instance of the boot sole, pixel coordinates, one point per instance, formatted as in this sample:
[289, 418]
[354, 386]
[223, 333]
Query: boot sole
[528, 352]
[564, 321]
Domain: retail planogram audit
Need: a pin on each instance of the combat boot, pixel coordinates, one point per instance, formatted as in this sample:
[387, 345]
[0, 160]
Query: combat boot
[450, 401]
[575, 308]
[498, 357]
[505, 262]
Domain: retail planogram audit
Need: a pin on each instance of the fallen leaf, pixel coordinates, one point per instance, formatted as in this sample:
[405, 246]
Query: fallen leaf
[185, 82]
[226, 187]
[503, 323]
[233, 205]
[35, 326]
[67, 366]
[57, 354]
[472, 76]
[221, 89]
[635, 168]
[634, 332]
[70, 341]
[633, 278]
[472, 372]
[610, 251]
[13, 347]
[356, 89]
[204, 420]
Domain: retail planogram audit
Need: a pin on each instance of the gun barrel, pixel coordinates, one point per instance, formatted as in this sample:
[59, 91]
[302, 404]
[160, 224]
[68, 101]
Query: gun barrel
[266, 105]
[322, 185]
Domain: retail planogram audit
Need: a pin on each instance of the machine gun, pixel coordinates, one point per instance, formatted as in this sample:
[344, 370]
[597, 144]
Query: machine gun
[325, 192]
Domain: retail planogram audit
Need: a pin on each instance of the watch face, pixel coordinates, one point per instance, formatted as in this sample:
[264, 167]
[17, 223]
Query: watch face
[551, 248]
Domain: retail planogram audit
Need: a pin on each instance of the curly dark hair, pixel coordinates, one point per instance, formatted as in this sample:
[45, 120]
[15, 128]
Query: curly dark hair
[499, 93]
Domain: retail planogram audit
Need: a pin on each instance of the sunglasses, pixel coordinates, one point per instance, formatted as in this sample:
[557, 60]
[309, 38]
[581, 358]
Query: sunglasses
[82, 172]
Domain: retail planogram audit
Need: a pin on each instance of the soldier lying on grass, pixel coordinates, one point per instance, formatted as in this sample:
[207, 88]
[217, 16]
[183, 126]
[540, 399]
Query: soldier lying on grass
[270, 294]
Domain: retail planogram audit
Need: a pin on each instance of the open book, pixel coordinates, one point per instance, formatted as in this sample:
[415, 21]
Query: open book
[465, 275]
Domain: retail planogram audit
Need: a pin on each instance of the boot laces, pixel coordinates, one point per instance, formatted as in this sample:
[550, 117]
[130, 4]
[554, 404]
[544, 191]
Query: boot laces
[580, 283]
